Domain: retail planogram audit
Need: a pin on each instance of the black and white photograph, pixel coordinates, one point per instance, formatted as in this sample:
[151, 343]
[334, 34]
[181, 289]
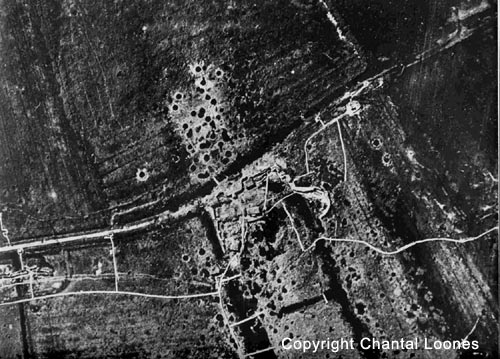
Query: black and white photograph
[230, 179]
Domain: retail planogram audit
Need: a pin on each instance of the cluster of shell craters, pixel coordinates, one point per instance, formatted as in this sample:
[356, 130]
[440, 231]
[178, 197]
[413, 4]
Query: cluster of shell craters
[199, 118]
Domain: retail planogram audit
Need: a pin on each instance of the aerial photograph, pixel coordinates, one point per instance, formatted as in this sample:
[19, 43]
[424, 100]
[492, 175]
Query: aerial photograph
[230, 179]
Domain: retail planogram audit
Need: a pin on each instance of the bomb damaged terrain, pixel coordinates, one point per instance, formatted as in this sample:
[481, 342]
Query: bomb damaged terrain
[205, 179]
